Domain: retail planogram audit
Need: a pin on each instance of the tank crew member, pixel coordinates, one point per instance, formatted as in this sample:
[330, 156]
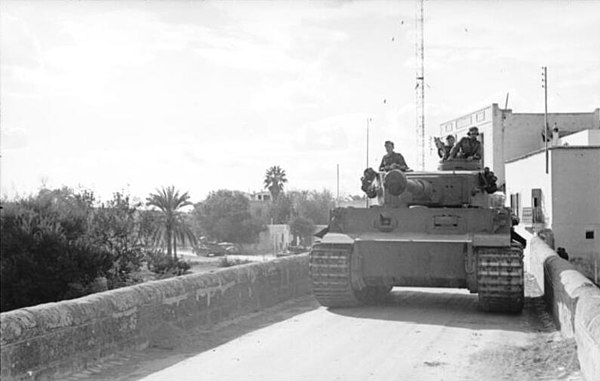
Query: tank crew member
[468, 147]
[444, 149]
[514, 236]
[562, 253]
[392, 160]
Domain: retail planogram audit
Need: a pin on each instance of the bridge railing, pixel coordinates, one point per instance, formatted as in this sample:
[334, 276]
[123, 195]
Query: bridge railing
[575, 304]
[51, 340]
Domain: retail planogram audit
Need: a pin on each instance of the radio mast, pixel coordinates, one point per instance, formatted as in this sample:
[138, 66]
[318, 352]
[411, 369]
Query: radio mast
[420, 87]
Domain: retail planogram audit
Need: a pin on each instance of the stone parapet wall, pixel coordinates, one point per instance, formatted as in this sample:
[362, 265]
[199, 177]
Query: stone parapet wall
[54, 339]
[575, 304]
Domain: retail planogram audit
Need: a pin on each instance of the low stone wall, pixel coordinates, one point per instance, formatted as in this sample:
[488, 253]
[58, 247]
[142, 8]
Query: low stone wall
[575, 304]
[51, 340]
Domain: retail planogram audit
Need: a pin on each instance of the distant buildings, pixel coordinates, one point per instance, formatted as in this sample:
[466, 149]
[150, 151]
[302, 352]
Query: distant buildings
[506, 135]
[259, 204]
[277, 237]
[565, 200]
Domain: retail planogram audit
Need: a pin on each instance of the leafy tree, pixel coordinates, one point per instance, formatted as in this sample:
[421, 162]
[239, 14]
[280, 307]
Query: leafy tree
[225, 216]
[313, 205]
[280, 211]
[116, 228]
[148, 220]
[274, 180]
[47, 252]
[172, 224]
[303, 228]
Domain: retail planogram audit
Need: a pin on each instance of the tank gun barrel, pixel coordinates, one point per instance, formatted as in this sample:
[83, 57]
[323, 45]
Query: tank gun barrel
[396, 183]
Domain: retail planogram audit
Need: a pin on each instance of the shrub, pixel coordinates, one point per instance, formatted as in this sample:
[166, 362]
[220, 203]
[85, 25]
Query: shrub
[40, 263]
[229, 262]
[58, 245]
[162, 264]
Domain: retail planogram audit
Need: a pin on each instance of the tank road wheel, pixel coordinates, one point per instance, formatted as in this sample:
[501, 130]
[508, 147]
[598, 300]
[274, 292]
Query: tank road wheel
[500, 279]
[330, 269]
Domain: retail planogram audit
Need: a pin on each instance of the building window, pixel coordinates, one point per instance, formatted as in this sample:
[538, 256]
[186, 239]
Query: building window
[480, 116]
[536, 203]
[589, 234]
[464, 122]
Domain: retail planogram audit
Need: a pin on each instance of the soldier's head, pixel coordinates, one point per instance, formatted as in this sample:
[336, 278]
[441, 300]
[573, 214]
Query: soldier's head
[389, 146]
[450, 140]
[473, 133]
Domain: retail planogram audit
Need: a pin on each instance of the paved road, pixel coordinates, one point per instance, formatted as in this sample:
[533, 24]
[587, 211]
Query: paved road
[418, 334]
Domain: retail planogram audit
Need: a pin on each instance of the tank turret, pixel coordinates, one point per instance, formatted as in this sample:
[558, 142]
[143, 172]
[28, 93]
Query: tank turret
[450, 189]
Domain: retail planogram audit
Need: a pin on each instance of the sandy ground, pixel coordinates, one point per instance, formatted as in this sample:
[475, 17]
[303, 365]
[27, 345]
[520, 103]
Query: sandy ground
[416, 334]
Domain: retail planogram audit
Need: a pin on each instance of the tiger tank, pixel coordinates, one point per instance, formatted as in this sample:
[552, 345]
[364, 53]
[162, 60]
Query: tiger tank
[443, 228]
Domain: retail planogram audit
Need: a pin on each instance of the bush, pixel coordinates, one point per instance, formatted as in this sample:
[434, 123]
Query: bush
[229, 262]
[40, 263]
[58, 245]
[162, 264]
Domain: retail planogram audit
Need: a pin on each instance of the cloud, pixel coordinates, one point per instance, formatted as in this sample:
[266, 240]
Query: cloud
[466, 36]
[330, 134]
[13, 138]
[207, 95]
[21, 47]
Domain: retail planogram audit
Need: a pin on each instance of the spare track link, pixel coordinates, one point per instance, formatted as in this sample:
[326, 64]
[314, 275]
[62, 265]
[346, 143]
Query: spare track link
[330, 267]
[500, 279]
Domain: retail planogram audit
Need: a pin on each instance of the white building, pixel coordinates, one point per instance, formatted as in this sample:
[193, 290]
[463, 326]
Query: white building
[566, 199]
[275, 239]
[506, 135]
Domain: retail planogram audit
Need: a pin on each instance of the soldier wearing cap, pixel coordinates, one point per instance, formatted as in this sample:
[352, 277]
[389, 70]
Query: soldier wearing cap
[468, 147]
[392, 160]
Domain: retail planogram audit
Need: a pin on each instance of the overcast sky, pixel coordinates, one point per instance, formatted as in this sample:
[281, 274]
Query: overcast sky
[206, 95]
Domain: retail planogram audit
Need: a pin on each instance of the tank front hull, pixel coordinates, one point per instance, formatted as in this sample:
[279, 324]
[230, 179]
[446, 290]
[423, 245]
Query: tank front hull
[413, 263]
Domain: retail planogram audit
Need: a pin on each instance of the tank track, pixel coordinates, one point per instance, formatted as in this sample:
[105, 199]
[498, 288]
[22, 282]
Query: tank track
[500, 279]
[330, 267]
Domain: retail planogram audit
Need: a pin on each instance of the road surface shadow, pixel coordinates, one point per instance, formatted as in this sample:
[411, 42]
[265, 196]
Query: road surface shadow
[452, 308]
[457, 308]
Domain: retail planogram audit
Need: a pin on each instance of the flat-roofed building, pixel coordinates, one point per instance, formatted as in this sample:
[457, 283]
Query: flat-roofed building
[565, 200]
[506, 135]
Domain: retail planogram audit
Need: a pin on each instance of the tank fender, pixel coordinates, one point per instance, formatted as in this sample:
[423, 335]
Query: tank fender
[356, 257]
[337, 238]
[494, 240]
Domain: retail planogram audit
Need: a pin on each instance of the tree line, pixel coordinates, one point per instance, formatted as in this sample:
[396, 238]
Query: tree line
[59, 243]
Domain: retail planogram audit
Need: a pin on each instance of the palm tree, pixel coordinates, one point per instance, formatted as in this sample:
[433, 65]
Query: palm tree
[172, 226]
[274, 180]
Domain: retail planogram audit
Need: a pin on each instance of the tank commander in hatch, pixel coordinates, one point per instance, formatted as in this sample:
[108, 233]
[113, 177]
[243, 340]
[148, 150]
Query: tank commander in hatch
[392, 160]
[468, 147]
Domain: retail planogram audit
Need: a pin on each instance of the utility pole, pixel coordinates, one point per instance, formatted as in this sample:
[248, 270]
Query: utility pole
[420, 86]
[368, 121]
[545, 87]
[337, 197]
